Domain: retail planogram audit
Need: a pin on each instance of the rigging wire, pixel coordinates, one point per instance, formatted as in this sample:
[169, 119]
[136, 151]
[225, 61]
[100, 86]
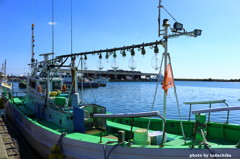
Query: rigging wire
[80, 60]
[81, 76]
[169, 13]
[30, 47]
[58, 68]
[175, 93]
[91, 88]
[155, 94]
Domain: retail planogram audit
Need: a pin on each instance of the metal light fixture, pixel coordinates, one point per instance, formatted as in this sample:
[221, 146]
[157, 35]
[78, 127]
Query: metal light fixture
[100, 63]
[178, 26]
[166, 22]
[197, 32]
[143, 51]
[123, 52]
[106, 57]
[156, 50]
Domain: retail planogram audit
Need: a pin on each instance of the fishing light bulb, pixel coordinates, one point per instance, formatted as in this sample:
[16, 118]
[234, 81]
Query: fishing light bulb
[114, 64]
[132, 64]
[123, 54]
[156, 61]
[100, 63]
[85, 65]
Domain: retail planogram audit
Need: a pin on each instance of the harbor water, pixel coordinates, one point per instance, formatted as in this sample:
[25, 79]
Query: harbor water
[132, 97]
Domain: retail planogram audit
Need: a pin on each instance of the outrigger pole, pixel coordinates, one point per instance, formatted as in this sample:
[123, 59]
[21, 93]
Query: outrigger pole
[134, 46]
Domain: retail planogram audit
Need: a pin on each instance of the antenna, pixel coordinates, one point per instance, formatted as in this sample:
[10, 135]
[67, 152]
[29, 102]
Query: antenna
[71, 28]
[159, 17]
[53, 23]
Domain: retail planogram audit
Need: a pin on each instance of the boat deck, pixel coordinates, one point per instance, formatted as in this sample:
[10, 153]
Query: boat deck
[175, 140]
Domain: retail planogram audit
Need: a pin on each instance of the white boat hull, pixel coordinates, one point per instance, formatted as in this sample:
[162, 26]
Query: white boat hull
[42, 140]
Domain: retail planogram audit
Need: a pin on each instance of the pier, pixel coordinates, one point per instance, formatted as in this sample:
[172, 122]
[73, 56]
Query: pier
[8, 146]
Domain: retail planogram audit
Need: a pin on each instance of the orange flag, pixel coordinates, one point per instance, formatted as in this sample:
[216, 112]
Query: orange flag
[168, 79]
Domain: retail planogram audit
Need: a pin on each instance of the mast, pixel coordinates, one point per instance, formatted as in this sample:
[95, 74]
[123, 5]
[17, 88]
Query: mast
[32, 59]
[34, 71]
[165, 54]
[5, 68]
[73, 65]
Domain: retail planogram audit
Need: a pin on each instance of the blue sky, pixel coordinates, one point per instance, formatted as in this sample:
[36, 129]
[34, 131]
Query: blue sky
[101, 24]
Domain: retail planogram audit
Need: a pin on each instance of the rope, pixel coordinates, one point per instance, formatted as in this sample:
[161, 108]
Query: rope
[155, 94]
[92, 90]
[114, 146]
[58, 69]
[88, 78]
[175, 93]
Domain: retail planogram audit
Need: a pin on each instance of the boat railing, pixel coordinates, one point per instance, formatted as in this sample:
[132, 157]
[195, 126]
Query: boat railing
[132, 116]
[16, 94]
[220, 109]
[210, 106]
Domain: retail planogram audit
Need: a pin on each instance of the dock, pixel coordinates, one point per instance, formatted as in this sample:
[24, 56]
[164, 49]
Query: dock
[8, 146]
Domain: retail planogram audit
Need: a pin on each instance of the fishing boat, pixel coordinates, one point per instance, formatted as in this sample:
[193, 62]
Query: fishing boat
[4, 86]
[3, 76]
[85, 82]
[156, 78]
[60, 125]
[101, 79]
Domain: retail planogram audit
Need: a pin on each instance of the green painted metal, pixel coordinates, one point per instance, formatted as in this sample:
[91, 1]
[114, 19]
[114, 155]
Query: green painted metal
[219, 135]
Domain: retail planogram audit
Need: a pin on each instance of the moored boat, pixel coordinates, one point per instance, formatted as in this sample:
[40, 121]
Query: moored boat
[58, 124]
[85, 83]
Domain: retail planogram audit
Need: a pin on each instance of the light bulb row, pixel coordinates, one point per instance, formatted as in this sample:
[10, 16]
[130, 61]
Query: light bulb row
[132, 63]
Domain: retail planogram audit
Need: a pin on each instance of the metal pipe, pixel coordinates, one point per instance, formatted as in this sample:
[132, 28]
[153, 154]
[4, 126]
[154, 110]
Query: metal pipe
[131, 128]
[189, 116]
[210, 105]
[114, 49]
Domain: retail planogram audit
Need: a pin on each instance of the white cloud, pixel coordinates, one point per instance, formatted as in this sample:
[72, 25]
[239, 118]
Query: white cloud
[52, 23]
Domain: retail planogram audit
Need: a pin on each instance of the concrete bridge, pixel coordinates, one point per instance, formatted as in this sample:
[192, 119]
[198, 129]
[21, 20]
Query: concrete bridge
[114, 75]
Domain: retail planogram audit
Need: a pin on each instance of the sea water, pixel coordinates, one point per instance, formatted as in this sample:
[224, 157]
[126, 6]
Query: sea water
[133, 97]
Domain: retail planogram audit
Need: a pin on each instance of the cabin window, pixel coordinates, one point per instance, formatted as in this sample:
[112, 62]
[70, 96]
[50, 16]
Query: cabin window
[32, 84]
[43, 86]
[60, 121]
[56, 85]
